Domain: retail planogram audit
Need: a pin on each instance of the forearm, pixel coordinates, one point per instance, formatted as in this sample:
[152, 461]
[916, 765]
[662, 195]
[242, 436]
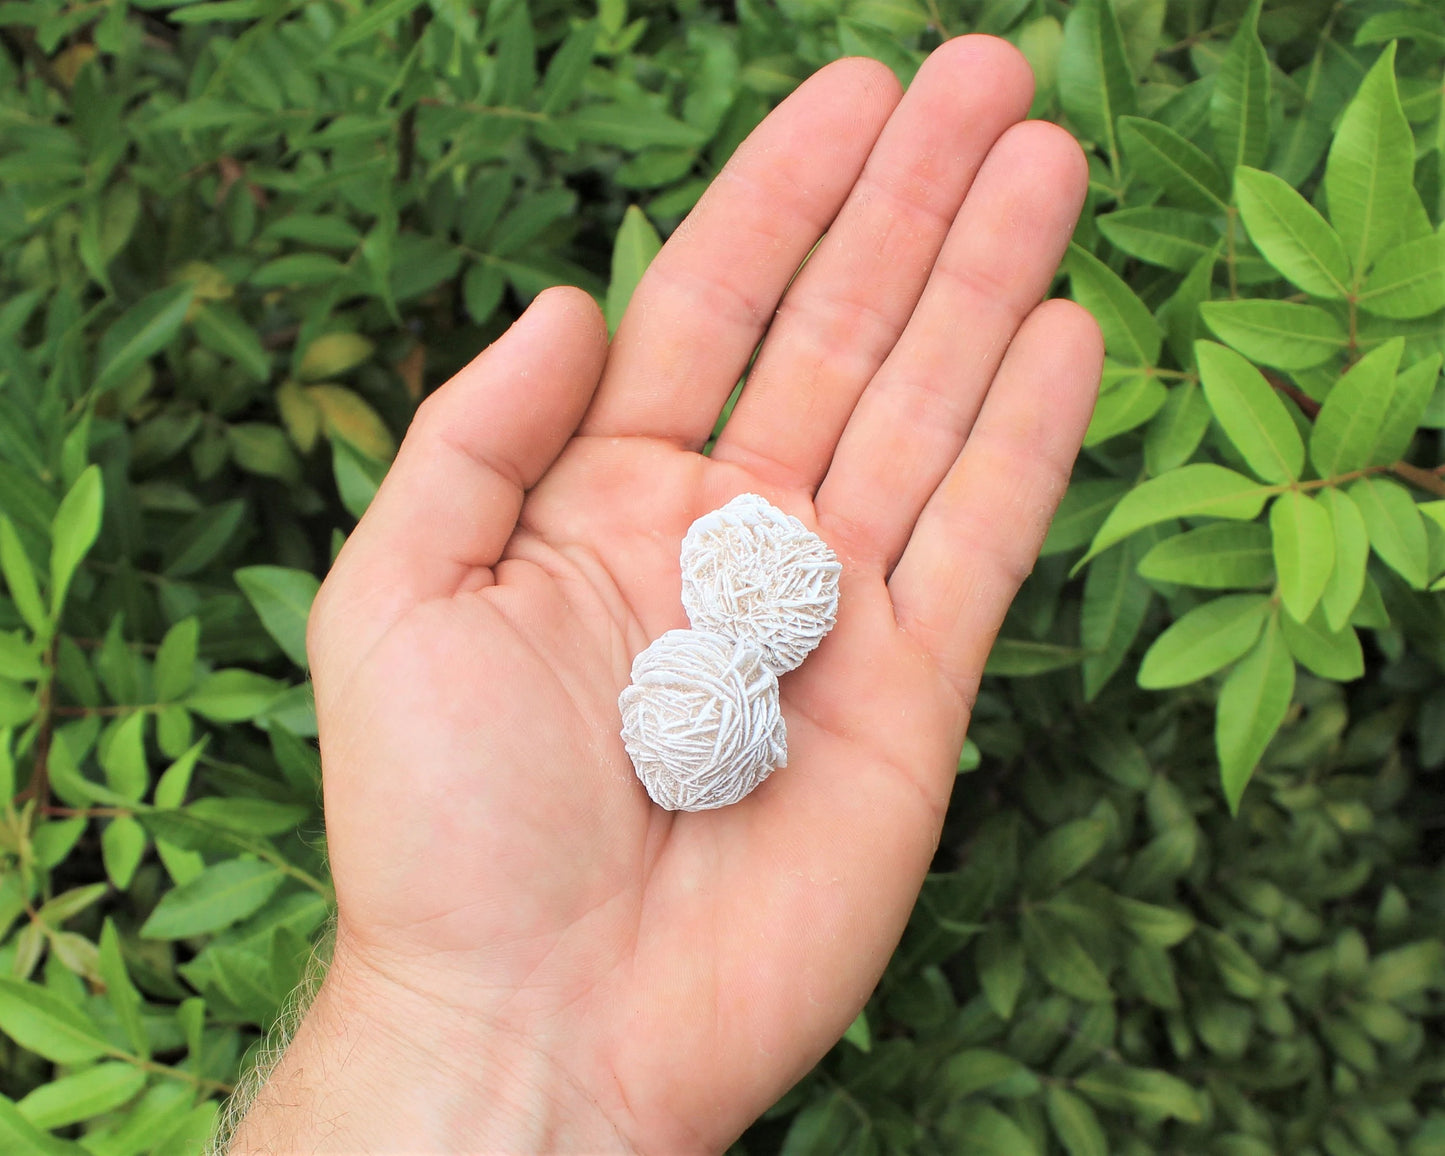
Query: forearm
[374, 1068]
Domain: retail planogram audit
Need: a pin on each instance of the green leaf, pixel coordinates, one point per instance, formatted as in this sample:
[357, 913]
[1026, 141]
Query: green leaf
[1406, 971]
[282, 599]
[1332, 654]
[333, 354]
[1057, 954]
[1144, 1091]
[1395, 528]
[1063, 853]
[45, 1023]
[974, 1069]
[1202, 489]
[630, 127]
[1291, 234]
[1131, 335]
[1124, 403]
[122, 845]
[19, 1135]
[222, 330]
[248, 816]
[1352, 550]
[233, 695]
[20, 578]
[1018, 658]
[1413, 389]
[1219, 556]
[141, 332]
[123, 757]
[858, 1034]
[999, 958]
[990, 1132]
[371, 21]
[1304, 550]
[1250, 412]
[1277, 333]
[482, 290]
[1239, 104]
[1370, 172]
[175, 666]
[1252, 704]
[636, 245]
[1160, 926]
[1349, 423]
[202, 538]
[73, 533]
[299, 270]
[1082, 511]
[1095, 80]
[567, 69]
[1115, 603]
[357, 476]
[1173, 238]
[1408, 280]
[1074, 1123]
[81, 1096]
[1176, 165]
[221, 895]
[1204, 640]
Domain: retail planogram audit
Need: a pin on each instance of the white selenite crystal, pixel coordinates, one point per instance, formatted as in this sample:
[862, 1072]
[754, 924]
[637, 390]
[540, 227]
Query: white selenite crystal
[701, 720]
[750, 571]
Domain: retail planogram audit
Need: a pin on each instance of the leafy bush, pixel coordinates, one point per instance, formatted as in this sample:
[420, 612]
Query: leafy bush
[240, 238]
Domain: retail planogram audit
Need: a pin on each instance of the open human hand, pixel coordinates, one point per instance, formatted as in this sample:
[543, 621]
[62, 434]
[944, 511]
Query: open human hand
[530, 955]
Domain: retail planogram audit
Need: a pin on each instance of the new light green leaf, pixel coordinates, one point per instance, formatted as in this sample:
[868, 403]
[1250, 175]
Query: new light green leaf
[83, 1095]
[20, 578]
[1332, 654]
[1250, 413]
[1173, 238]
[282, 599]
[1396, 530]
[1252, 705]
[1278, 333]
[1206, 639]
[1370, 171]
[1075, 1123]
[1291, 234]
[233, 695]
[1143, 1090]
[636, 245]
[19, 1135]
[1239, 104]
[1223, 555]
[140, 332]
[47, 1024]
[1175, 164]
[73, 533]
[1124, 404]
[1410, 398]
[1304, 550]
[1201, 489]
[1408, 280]
[1131, 335]
[1352, 551]
[1348, 425]
[221, 895]
[175, 664]
[1096, 83]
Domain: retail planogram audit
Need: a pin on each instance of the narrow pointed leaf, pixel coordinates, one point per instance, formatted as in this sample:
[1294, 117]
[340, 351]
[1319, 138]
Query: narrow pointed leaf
[1201, 489]
[1252, 704]
[1408, 280]
[1291, 234]
[1096, 83]
[1223, 555]
[1349, 423]
[77, 522]
[1371, 167]
[1332, 654]
[1175, 432]
[1174, 164]
[45, 1023]
[1352, 551]
[140, 333]
[1173, 238]
[1206, 639]
[1239, 105]
[1131, 334]
[1409, 399]
[1250, 412]
[1075, 1123]
[636, 245]
[282, 599]
[1396, 530]
[1277, 333]
[222, 894]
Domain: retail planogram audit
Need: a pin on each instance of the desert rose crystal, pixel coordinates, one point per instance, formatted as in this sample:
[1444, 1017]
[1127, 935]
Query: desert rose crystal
[701, 720]
[751, 571]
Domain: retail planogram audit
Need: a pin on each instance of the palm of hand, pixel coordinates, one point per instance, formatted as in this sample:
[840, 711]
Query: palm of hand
[490, 843]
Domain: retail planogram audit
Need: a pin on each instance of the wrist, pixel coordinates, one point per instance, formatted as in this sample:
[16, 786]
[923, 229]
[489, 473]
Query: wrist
[378, 1067]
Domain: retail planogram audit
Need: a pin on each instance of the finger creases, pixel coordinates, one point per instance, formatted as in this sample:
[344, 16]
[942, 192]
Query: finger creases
[709, 295]
[980, 532]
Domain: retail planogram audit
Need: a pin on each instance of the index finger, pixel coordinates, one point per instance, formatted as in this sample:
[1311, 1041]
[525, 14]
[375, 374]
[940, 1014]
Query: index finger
[708, 297]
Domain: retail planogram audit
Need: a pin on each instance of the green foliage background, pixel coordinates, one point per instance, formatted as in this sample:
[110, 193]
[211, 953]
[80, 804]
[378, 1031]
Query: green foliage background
[239, 239]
